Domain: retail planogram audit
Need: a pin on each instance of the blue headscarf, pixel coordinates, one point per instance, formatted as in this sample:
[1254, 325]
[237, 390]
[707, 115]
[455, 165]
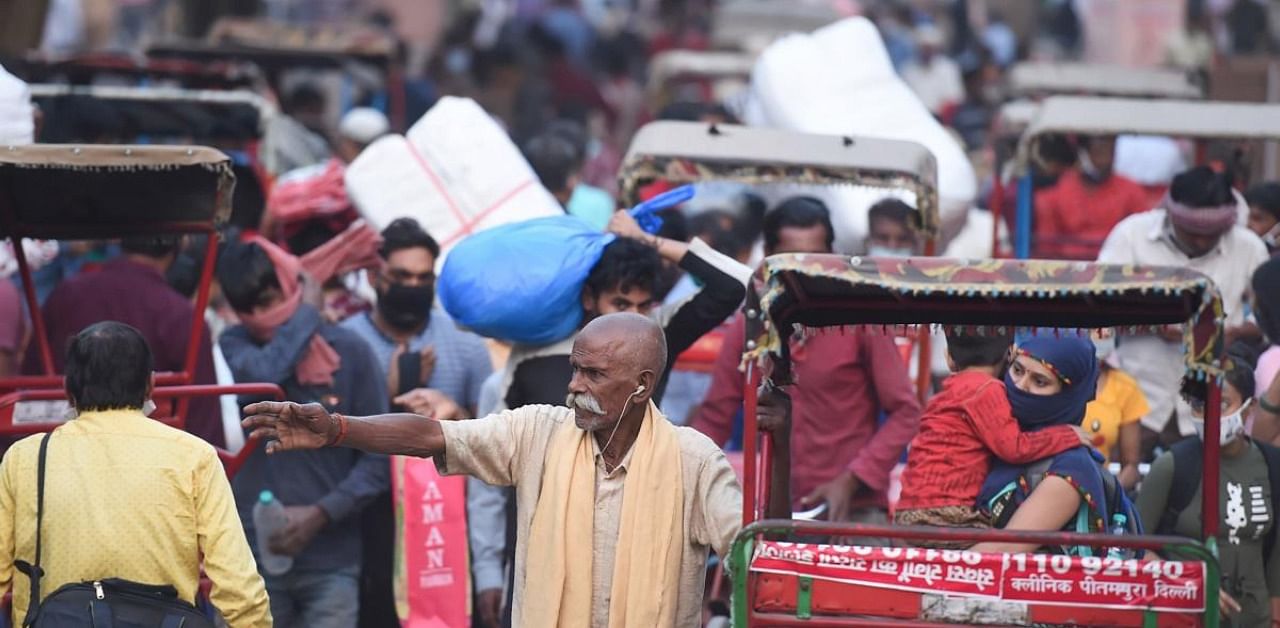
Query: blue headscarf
[1075, 362]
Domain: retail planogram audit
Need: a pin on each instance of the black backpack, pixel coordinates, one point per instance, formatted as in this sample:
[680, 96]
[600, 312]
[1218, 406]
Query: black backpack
[1188, 470]
[110, 603]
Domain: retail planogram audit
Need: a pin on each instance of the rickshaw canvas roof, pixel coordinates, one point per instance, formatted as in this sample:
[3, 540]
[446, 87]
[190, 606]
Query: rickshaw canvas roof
[714, 64]
[1103, 80]
[814, 291]
[1130, 116]
[171, 111]
[689, 152]
[60, 191]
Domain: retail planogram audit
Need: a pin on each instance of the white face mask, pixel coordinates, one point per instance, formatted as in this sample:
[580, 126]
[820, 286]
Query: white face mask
[1230, 428]
[148, 407]
[876, 250]
[1104, 347]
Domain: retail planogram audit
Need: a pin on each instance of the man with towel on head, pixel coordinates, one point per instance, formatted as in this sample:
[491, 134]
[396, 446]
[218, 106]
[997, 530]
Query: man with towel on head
[1195, 227]
[651, 497]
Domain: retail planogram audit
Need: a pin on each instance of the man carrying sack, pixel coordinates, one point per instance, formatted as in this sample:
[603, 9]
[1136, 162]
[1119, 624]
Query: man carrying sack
[653, 498]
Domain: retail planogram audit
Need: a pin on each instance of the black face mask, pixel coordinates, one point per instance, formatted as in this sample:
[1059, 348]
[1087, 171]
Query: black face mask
[406, 307]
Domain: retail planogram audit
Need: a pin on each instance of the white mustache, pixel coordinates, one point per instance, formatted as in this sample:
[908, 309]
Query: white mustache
[584, 402]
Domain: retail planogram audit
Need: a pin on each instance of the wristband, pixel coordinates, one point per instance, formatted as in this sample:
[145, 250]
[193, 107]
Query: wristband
[342, 430]
[1267, 406]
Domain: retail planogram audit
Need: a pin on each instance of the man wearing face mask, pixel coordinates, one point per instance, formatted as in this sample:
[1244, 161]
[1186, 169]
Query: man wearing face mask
[1194, 228]
[418, 346]
[1170, 499]
[891, 229]
[1073, 216]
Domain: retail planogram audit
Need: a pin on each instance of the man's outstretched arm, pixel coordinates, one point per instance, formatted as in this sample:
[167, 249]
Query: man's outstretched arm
[287, 425]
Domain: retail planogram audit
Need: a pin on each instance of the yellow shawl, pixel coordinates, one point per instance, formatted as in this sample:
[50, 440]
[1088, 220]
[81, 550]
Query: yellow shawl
[646, 570]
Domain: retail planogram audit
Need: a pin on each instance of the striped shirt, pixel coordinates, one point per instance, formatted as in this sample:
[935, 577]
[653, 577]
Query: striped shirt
[462, 360]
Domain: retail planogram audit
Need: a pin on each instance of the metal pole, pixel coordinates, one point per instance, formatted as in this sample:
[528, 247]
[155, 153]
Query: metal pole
[749, 446]
[1022, 243]
[1212, 427]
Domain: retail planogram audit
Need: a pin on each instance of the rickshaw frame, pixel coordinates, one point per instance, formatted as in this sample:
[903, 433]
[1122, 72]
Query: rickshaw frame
[1031, 78]
[692, 152]
[273, 57]
[1201, 120]
[802, 293]
[64, 191]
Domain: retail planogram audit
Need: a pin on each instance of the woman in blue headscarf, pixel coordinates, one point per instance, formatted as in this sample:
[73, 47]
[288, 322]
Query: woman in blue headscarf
[1050, 382]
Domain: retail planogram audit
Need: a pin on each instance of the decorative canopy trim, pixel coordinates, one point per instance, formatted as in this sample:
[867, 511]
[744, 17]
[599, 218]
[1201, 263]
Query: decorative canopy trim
[798, 293]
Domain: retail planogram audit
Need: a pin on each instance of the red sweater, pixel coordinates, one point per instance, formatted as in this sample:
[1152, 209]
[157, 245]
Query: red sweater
[966, 423]
[1074, 217]
[842, 382]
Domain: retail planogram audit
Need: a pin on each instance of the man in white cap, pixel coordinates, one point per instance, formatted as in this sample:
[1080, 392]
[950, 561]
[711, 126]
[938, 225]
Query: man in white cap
[931, 75]
[357, 129]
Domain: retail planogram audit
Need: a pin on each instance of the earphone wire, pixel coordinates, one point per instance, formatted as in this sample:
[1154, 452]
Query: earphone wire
[618, 423]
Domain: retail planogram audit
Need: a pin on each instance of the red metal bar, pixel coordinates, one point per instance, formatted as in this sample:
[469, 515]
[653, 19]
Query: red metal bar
[160, 392]
[1212, 446]
[33, 305]
[924, 364]
[765, 473]
[997, 212]
[749, 445]
[24, 382]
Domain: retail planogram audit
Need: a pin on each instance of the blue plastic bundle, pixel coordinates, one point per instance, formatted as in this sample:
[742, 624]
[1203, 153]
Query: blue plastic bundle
[522, 282]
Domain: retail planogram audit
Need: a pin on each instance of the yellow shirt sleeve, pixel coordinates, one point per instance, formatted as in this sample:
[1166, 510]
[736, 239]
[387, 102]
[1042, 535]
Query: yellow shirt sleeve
[1133, 404]
[238, 591]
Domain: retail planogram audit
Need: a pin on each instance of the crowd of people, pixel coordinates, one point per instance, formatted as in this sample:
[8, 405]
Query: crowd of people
[1039, 431]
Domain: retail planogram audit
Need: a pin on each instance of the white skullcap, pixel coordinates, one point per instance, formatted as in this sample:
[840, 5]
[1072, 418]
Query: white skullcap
[929, 35]
[363, 125]
[17, 118]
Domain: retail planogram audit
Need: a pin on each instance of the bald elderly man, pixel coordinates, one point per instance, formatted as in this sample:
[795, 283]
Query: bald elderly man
[653, 498]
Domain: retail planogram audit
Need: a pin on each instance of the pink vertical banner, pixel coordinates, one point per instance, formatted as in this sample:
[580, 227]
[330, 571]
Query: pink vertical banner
[432, 567]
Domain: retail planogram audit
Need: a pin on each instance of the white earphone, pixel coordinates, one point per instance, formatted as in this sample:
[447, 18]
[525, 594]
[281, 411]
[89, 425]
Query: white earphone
[639, 389]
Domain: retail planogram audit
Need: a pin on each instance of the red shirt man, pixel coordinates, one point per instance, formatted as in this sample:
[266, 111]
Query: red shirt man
[1073, 217]
[842, 382]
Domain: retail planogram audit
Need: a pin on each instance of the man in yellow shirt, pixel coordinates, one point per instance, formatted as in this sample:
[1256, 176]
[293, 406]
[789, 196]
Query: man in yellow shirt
[125, 496]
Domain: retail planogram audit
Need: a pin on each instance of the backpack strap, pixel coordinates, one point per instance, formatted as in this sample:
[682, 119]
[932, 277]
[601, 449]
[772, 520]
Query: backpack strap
[1188, 465]
[34, 572]
[1271, 454]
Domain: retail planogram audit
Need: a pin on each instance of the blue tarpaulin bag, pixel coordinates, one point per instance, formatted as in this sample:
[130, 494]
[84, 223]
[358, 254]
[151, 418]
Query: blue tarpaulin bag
[522, 282]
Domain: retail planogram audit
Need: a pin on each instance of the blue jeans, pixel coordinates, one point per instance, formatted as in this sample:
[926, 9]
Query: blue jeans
[315, 599]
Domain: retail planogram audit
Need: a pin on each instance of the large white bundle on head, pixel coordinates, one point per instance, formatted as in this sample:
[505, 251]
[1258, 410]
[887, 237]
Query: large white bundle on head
[838, 80]
[17, 118]
[456, 172]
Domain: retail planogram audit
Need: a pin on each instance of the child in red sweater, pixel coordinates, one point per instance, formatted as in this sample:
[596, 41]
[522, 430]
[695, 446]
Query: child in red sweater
[963, 426]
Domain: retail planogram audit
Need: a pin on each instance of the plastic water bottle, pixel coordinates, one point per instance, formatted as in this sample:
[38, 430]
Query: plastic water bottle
[1119, 525]
[268, 516]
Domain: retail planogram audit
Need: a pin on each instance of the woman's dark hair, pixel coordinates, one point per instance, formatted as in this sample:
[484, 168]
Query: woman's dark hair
[625, 265]
[406, 233]
[799, 211]
[245, 272]
[1202, 187]
[1265, 196]
[969, 350]
[1238, 375]
[108, 367]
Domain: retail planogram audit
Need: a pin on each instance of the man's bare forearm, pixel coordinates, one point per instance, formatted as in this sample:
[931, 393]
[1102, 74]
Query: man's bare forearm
[399, 434]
